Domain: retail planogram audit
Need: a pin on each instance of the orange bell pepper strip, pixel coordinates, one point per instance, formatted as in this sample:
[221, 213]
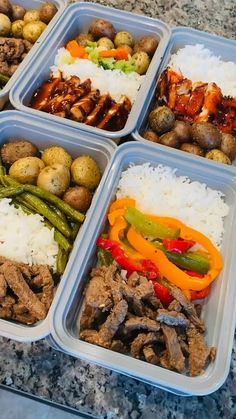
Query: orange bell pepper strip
[76, 50]
[116, 233]
[112, 216]
[170, 271]
[121, 203]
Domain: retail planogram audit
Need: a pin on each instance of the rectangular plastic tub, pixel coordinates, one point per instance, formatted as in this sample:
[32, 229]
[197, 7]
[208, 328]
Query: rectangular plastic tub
[14, 124]
[181, 36]
[75, 19]
[219, 312]
[30, 4]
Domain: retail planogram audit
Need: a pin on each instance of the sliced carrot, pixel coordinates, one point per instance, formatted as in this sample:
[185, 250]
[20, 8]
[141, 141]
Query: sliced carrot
[76, 50]
[118, 54]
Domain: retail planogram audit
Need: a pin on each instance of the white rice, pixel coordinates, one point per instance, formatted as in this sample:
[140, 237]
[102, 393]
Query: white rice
[114, 82]
[198, 63]
[158, 190]
[24, 238]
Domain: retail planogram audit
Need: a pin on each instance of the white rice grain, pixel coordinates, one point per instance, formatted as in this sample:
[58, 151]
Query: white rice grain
[24, 238]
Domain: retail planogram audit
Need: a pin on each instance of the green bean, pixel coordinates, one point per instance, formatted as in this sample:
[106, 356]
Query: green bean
[18, 204]
[62, 258]
[57, 211]
[104, 257]
[2, 168]
[59, 238]
[40, 206]
[4, 79]
[25, 203]
[11, 191]
[75, 230]
[53, 199]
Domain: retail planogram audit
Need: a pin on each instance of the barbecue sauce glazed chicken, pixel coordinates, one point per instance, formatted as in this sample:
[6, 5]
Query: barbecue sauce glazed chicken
[196, 102]
[78, 101]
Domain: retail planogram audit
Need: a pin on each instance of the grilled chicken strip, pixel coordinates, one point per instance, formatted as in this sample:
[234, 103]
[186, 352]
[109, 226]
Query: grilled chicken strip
[81, 109]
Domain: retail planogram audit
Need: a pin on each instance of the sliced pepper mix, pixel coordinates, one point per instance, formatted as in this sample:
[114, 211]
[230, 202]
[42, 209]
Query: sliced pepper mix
[160, 248]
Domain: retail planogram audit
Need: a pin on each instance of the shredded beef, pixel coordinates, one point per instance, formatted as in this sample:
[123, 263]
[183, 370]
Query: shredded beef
[172, 318]
[174, 350]
[141, 323]
[142, 340]
[199, 352]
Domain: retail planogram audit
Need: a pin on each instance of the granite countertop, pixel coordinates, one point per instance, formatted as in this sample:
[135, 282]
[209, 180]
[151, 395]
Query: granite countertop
[39, 370]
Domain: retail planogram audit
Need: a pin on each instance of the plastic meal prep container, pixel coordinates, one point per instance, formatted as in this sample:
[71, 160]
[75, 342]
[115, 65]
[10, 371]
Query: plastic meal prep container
[75, 19]
[14, 124]
[181, 36]
[28, 5]
[219, 311]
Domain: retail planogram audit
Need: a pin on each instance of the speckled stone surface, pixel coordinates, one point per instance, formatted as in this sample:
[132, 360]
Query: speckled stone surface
[39, 370]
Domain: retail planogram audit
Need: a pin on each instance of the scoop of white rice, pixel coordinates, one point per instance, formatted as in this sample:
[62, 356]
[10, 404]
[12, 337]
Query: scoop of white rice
[24, 238]
[114, 82]
[158, 190]
[198, 63]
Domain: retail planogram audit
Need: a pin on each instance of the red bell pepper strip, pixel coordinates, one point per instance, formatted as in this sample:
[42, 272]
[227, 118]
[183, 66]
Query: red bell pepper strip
[178, 245]
[162, 293]
[192, 273]
[146, 267]
[199, 295]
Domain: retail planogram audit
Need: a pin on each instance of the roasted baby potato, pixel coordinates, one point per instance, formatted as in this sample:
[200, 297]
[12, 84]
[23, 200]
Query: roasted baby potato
[85, 172]
[56, 154]
[170, 139]
[54, 179]
[183, 131]
[5, 25]
[141, 62]
[161, 119]
[100, 28]
[218, 155]
[151, 136]
[17, 28]
[18, 12]
[207, 135]
[5, 7]
[228, 145]
[31, 16]
[147, 44]
[16, 150]
[193, 149]
[82, 39]
[33, 30]
[105, 43]
[26, 170]
[123, 38]
[78, 197]
[47, 11]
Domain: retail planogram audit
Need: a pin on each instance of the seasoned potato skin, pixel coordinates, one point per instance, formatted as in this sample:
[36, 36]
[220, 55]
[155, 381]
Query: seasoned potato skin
[151, 136]
[56, 154]
[17, 28]
[206, 135]
[123, 38]
[33, 30]
[78, 197]
[170, 139]
[31, 16]
[5, 7]
[85, 172]
[47, 11]
[54, 179]
[101, 27]
[141, 62]
[26, 170]
[218, 155]
[82, 39]
[183, 131]
[161, 119]
[105, 43]
[147, 44]
[16, 150]
[193, 149]
[228, 146]
[18, 12]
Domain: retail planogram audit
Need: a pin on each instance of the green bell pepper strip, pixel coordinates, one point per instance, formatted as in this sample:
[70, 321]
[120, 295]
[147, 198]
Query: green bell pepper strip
[147, 227]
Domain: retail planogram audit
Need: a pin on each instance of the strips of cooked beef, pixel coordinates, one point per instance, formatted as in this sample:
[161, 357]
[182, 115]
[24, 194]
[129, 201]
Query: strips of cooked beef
[188, 307]
[142, 340]
[199, 352]
[124, 315]
[175, 353]
[3, 286]
[172, 318]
